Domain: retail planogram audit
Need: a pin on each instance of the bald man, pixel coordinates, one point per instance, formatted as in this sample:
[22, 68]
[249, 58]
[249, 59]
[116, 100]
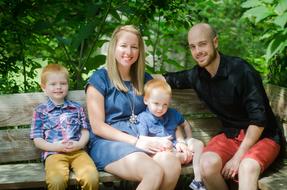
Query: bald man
[233, 90]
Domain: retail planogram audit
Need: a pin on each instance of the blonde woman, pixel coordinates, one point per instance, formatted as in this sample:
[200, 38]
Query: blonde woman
[114, 98]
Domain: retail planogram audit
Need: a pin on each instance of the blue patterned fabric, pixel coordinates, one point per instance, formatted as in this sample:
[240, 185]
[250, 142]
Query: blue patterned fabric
[57, 124]
[150, 125]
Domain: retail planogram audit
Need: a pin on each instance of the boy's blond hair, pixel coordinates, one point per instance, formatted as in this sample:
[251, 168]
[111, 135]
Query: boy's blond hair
[52, 68]
[156, 84]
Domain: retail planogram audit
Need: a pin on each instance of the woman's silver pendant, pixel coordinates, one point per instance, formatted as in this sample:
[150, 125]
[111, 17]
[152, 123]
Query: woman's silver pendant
[133, 118]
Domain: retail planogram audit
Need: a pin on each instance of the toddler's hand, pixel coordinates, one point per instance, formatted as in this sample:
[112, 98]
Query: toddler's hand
[186, 155]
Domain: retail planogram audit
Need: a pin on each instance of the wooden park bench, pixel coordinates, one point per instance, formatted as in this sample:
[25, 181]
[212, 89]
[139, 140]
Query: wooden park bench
[20, 166]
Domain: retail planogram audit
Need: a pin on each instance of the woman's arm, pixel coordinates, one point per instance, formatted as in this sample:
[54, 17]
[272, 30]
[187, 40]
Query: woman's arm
[96, 114]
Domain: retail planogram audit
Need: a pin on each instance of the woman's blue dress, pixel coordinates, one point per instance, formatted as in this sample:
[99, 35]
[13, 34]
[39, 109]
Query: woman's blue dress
[118, 108]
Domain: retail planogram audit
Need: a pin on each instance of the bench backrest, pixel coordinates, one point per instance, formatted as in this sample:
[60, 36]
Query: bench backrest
[16, 115]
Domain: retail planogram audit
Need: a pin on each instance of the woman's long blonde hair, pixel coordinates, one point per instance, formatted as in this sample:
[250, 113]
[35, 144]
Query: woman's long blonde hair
[137, 68]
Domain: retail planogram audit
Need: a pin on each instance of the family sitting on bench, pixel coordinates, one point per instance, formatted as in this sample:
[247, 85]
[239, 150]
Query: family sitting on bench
[133, 133]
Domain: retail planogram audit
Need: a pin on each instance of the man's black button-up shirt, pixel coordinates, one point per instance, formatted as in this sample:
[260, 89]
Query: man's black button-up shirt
[235, 94]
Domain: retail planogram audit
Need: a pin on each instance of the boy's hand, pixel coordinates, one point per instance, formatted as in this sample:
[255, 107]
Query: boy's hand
[71, 146]
[59, 146]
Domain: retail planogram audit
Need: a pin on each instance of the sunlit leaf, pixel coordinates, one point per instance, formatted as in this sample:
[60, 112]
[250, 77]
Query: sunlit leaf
[259, 13]
[267, 1]
[281, 7]
[281, 20]
[251, 3]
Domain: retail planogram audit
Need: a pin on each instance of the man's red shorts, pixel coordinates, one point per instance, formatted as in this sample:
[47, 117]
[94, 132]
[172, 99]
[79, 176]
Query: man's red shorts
[264, 151]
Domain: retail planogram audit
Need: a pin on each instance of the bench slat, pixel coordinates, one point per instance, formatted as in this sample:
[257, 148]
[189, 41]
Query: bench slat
[17, 176]
[17, 146]
[21, 176]
[275, 177]
[278, 100]
[17, 109]
[187, 102]
[32, 175]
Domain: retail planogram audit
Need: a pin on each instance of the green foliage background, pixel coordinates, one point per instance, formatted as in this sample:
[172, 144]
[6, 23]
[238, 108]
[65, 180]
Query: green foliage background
[74, 33]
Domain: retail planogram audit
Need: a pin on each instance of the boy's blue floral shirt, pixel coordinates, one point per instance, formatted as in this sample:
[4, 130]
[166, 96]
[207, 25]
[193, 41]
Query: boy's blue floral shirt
[57, 124]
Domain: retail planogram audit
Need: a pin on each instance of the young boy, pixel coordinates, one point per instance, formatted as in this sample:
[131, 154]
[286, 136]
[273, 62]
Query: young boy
[60, 129]
[160, 120]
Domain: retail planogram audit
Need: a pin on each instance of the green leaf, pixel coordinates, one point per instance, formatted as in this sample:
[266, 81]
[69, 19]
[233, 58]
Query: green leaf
[275, 46]
[267, 1]
[86, 30]
[100, 43]
[281, 20]
[93, 9]
[174, 63]
[149, 69]
[115, 14]
[251, 3]
[41, 25]
[95, 62]
[259, 13]
[63, 40]
[281, 7]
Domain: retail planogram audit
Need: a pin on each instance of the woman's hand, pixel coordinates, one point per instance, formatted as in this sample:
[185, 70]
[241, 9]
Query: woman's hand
[153, 145]
[165, 142]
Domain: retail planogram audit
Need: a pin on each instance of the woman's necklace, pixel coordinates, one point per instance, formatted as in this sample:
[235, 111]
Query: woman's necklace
[133, 117]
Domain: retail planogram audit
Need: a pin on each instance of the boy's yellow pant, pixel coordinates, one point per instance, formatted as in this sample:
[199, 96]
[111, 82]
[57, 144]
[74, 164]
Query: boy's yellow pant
[58, 166]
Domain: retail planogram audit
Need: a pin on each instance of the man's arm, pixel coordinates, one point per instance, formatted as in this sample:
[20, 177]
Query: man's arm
[252, 135]
[179, 80]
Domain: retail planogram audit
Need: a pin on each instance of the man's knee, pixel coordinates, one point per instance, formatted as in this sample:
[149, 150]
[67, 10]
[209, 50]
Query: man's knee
[249, 166]
[210, 163]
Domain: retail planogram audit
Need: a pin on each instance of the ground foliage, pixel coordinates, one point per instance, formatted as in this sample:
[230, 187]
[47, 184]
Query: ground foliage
[75, 34]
